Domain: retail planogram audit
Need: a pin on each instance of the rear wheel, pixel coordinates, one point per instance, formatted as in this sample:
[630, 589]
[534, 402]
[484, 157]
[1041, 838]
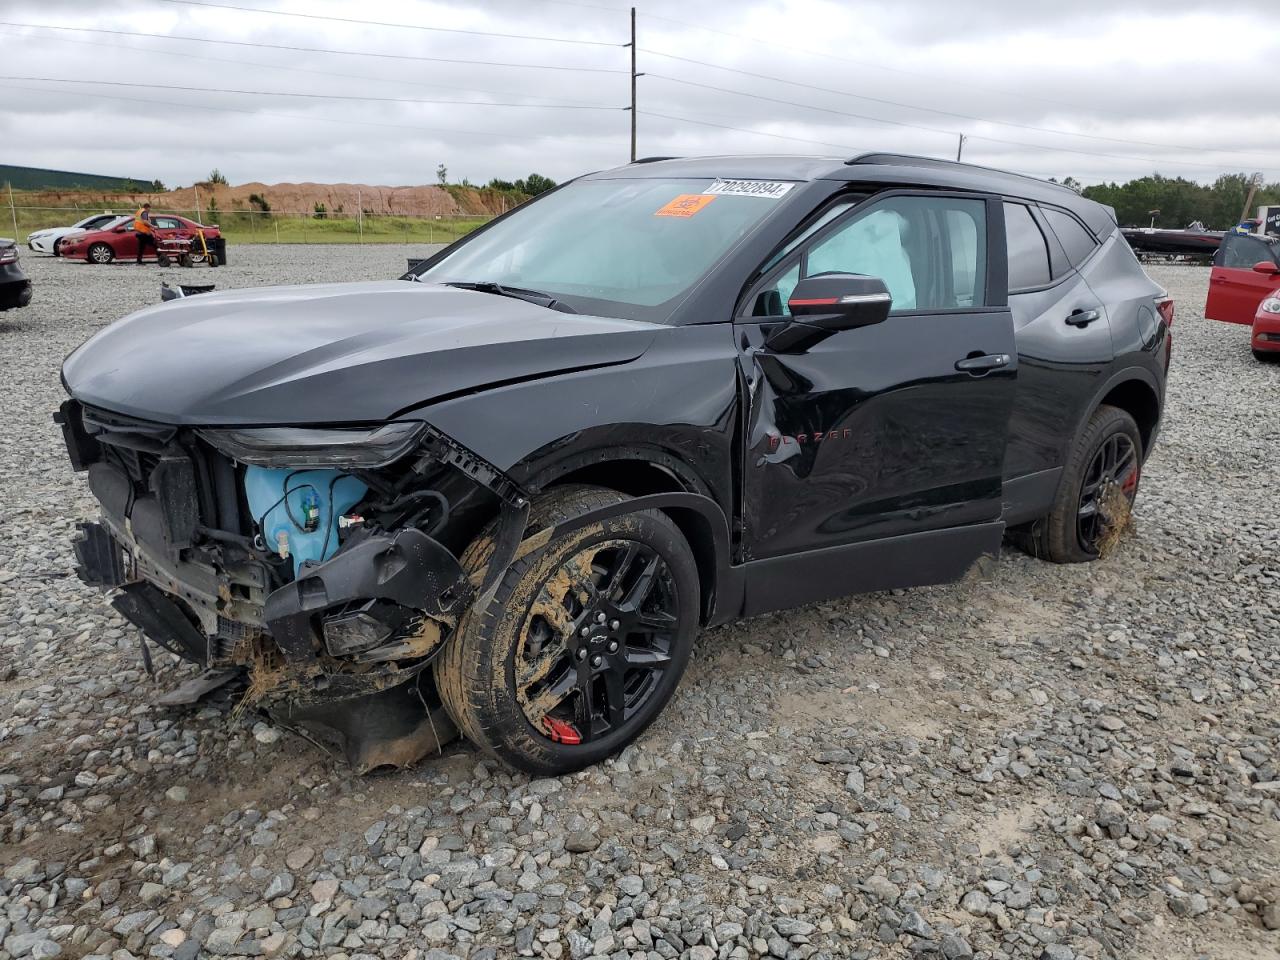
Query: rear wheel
[100, 253]
[583, 643]
[1097, 490]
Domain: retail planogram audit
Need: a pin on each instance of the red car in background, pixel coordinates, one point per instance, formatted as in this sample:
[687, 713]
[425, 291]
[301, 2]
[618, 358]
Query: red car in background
[103, 246]
[1246, 271]
[1266, 329]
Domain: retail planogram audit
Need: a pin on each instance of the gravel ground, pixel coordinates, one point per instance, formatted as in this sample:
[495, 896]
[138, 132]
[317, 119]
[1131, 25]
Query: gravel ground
[1040, 762]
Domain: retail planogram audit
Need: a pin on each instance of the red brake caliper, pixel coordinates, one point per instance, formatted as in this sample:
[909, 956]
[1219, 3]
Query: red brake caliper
[1131, 481]
[561, 732]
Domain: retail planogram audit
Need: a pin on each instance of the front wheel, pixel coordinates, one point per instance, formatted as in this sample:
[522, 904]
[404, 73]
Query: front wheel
[583, 643]
[100, 253]
[1096, 493]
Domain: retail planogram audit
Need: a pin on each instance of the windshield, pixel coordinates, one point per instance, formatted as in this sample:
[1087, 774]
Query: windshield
[621, 248]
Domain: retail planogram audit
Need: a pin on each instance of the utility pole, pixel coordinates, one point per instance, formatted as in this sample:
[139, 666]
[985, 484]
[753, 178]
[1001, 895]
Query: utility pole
[960, 148]
[1254, 182]
[633, 84]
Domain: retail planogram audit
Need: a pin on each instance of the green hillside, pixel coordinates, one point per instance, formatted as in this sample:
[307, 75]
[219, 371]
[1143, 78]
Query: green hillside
[33, 178]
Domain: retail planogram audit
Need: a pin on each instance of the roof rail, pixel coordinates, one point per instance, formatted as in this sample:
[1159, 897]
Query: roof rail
[908, 159]
[654, 159]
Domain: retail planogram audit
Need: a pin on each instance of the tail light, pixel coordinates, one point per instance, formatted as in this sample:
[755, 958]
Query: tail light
[1164, 306]
[8, 254]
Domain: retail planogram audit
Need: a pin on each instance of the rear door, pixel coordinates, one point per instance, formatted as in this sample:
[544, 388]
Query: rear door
[1235, 289]
[891, 429]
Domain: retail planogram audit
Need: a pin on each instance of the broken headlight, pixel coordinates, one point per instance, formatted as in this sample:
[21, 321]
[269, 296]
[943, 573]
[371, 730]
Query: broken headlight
[318, 447]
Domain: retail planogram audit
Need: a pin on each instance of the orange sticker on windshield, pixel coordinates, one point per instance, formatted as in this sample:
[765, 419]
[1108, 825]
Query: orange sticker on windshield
[685, 205]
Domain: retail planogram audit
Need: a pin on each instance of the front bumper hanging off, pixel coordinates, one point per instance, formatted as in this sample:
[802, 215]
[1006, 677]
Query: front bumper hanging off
[344, 644]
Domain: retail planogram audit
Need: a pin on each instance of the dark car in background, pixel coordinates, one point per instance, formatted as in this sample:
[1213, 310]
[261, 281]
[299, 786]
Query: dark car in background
[119, 242]
[15, 286]
[517, 481]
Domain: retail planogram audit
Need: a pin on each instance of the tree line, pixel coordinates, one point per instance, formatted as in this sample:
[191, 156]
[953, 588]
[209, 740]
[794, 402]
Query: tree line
[1180, 201]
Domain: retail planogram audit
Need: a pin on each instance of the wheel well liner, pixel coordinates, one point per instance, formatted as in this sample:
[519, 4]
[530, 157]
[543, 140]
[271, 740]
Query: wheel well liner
[1138, 399]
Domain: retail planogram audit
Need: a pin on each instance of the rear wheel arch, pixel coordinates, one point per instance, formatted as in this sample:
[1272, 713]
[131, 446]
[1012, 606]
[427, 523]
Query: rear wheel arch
[1138, 398]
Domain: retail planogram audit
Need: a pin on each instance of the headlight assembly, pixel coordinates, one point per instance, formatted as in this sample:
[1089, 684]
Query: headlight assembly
[317, 447]
[1271, 305]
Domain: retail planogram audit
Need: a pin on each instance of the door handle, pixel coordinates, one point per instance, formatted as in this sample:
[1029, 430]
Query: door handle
[980, 365]
[1082, 318]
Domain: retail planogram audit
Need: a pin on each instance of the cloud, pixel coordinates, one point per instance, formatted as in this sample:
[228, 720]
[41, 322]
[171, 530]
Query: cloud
[907, 77]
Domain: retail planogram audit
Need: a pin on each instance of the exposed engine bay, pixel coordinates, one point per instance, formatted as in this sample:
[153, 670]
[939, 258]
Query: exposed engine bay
[318, 568]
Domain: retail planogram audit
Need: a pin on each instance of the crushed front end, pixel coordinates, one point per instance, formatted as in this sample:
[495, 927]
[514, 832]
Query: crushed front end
[319, 564]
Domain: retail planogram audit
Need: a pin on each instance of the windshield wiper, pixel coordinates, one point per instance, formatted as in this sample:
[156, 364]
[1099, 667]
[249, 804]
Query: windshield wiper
[518, 293]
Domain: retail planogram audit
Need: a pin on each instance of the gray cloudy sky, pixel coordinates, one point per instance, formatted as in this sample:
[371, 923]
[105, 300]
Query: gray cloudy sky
[1095, 89]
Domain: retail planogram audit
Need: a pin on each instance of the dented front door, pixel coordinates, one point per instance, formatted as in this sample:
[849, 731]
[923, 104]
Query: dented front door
[882, 430]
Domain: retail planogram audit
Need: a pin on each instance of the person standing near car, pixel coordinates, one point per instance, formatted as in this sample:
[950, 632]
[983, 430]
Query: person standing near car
[144, 230]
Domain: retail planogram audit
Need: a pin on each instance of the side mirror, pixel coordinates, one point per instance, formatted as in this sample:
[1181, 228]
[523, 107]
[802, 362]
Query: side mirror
[828, 303]
[1266, 267]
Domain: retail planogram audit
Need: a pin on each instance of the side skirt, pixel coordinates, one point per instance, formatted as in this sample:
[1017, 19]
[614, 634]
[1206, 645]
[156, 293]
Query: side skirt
[912, 560]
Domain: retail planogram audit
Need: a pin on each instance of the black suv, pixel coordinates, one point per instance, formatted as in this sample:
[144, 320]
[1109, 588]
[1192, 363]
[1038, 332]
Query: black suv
[657, 398]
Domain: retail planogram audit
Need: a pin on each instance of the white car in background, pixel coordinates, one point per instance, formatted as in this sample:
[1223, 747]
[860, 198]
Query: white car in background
[46, 241]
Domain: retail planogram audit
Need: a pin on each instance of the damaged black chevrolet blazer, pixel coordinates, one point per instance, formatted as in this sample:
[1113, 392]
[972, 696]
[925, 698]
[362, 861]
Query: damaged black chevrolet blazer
[506, 491]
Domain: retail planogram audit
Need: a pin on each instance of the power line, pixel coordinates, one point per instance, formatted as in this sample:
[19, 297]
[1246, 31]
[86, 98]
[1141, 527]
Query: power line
[397, 26]
[310, 96]
[758, 133]
[946, 113]
[916, 126]
[313, 118]
[275, 66]
[793, 103]
[298, 49]
[808, 51]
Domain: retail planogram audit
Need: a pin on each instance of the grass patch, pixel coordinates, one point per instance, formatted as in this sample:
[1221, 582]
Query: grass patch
[240, 227]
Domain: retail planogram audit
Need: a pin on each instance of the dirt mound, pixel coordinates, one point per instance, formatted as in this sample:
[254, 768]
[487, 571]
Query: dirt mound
[301, 198]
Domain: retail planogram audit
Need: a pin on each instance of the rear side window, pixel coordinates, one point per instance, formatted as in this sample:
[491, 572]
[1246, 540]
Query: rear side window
[1028, 251]
[1075, 239]
[1241, 252]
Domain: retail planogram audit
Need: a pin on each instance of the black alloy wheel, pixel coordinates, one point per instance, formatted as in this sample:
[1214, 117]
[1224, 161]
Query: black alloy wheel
[598, 639]
[584, 641]
[1100, 478]
[1112, 474]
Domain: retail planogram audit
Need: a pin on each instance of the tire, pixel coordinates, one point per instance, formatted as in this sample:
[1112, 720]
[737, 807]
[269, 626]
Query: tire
[213, 259]
[1059, 537]
[184, 259]
[162, 259]
[523, 661]
[100, 253]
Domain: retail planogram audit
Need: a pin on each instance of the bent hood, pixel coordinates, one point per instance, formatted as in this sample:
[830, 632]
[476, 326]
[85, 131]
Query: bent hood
[331, 353]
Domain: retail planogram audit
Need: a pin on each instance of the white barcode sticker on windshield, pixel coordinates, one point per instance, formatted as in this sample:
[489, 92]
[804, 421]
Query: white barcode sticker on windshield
[772, 189]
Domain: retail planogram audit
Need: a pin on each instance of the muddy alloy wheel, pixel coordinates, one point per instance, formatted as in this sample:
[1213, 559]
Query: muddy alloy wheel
[597, 641]
[1110, 484]
[1099, 483]
[583, 644]
[101, 253]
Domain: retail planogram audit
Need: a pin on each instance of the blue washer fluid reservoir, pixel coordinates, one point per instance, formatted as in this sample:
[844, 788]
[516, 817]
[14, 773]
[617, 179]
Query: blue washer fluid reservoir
[303, 505]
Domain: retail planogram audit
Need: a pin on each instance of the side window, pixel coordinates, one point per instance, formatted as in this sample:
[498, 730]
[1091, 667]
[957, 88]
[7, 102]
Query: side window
[929, 251]
[1075, 239]
[167, 223]
[1028, 251]
[1240, 252]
